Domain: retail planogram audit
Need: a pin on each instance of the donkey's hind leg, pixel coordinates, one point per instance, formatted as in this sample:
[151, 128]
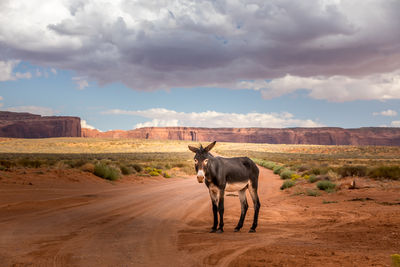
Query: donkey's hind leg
[256, 202]
[244, 207]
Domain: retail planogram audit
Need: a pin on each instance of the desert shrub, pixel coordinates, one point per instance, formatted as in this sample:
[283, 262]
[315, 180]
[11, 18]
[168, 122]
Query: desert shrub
[159, 167]
[167, 166]
[312, 193]
[302, 168]
[319, 170]
[166, 175]
[179, 165]
[346, 170]
[76, 163]
[7, 164]
[286, 174]
[30, 163]
[277, 169]
[60, 165]
[188, 169]
[287, 184]
[106, 172]
[266, 164]
[88, 167]
[395, 260]
[125, 170]
[327, 186]
[328, 202]
[295, 176]
[153, 171]
[269, 165]
[312, 178]
[137, 167]
[389, 172]
[332, 175]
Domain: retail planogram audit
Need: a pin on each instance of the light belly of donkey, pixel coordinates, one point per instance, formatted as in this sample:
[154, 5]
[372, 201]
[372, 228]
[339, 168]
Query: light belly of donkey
[236, 186]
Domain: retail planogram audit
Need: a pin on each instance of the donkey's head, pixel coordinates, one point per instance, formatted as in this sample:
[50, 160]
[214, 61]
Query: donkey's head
[201, 159]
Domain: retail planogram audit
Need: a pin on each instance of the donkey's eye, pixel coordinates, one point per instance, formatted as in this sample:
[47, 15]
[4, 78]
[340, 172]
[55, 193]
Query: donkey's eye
[196, 161]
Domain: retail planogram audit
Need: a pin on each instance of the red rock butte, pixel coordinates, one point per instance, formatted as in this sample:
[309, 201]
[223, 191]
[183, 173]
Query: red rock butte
[314, 136]
[26, 125]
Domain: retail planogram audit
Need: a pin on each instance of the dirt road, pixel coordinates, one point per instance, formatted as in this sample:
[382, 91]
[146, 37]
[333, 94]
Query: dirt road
[166, 223]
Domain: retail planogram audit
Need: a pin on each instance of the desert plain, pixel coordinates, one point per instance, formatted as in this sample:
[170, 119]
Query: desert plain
[57, 210]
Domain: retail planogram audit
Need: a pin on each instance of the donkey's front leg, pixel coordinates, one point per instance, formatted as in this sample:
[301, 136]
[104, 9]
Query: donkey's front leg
[221, 211]
[215, 213]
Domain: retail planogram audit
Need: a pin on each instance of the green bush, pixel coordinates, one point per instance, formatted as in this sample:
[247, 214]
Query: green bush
[319, 170]
[388, 172]
[7, 164]
[312, 179]
[312, 193]
[137, 167]
[395, 260]
[302, 168]
[30, 163]
[76, 163]
[125, 170]
[277, 169]
[286, 174]
[266, 164]
[106, 172]
[328, 186]
[359, 171]
[166, 175]
[287, 184]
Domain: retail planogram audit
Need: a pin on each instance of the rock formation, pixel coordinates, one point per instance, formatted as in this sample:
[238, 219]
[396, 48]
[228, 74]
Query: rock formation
[314, 136]
[26, 125]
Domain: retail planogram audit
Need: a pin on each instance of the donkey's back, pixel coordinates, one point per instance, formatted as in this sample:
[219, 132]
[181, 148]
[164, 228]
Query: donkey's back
[239, 169]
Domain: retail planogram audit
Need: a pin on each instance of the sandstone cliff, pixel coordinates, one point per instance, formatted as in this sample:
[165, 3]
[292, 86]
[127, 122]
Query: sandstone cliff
[26, 125]
[316, 136]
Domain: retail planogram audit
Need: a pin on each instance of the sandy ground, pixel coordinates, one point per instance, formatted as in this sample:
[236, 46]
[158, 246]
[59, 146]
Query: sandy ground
[70, 218]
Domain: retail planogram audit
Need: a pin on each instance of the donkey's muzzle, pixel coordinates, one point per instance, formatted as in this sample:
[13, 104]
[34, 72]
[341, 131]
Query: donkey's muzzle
[200, 176]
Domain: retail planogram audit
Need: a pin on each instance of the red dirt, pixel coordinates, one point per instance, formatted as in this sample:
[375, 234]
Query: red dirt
[71, 218]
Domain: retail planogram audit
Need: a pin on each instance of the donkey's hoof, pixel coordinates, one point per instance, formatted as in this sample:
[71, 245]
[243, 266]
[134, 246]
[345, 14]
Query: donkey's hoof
[236, 229]
[252, 230]
[220, 231]
[213, 230]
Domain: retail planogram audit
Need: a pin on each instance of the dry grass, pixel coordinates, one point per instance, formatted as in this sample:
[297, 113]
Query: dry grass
[169, 154]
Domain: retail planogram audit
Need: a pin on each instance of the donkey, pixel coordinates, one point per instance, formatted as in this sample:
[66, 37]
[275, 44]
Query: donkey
[231, 175]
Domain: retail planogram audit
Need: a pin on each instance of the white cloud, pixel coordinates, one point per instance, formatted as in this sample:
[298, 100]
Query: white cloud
[44, 111]
[388, 113]
[334, 88]
[395, 123]
[7, 71]
[38, 73]
[84, 124]
[164, 117]
[54, 71]
[149, 45]
[81, 82]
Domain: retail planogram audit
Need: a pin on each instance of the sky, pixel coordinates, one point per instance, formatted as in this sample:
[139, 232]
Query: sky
[272, 63]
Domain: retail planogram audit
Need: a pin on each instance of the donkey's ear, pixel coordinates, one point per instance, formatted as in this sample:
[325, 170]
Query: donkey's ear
[193, 149]
[210, 146]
